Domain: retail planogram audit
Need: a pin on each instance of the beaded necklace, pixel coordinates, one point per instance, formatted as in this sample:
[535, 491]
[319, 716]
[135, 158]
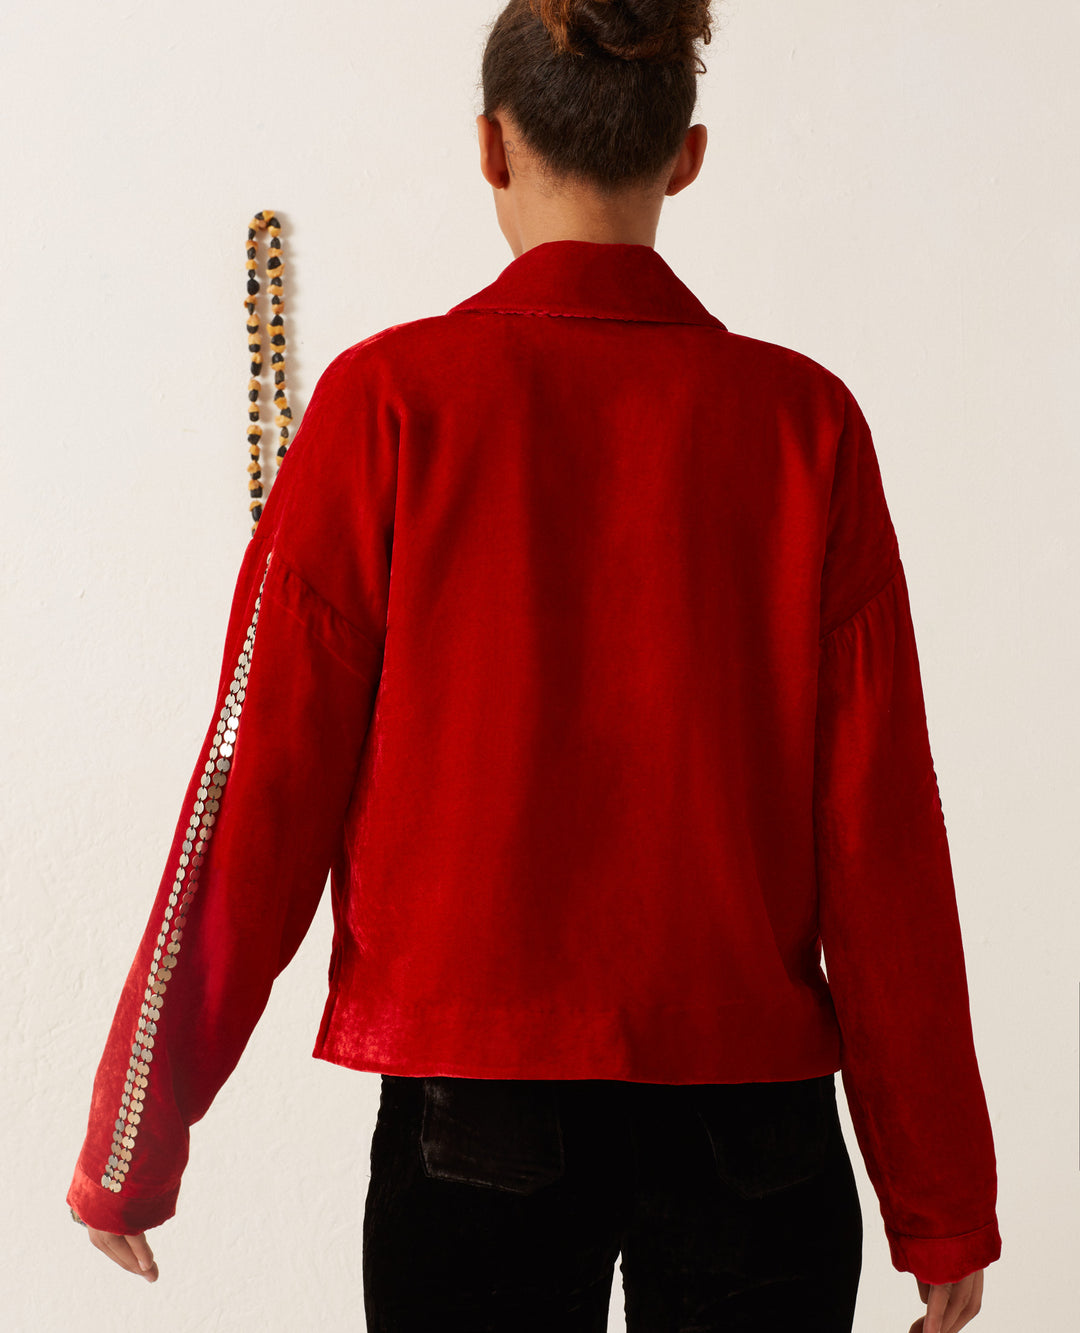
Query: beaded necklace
[275, 265]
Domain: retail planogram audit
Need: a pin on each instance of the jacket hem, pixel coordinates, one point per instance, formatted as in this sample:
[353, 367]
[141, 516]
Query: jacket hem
[611, 1049]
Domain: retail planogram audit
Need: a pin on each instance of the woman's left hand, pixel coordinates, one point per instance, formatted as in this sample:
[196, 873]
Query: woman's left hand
[950, 1306]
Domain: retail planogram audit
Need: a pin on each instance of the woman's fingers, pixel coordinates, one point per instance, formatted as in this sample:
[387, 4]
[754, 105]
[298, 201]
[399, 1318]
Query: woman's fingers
[950, 1306]
[127, 1251]
[144, 1256]
[936, 1305]
[965, 1304]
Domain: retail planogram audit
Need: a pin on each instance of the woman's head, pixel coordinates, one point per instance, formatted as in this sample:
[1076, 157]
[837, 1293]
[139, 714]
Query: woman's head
[591, 100]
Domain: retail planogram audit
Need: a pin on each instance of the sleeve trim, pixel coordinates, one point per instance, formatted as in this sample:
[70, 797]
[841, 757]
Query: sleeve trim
[938, 1260]
[958, 1235]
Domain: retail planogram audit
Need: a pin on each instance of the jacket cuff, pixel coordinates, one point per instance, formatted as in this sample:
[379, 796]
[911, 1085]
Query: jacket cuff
[940, 1259]
[122, 1215]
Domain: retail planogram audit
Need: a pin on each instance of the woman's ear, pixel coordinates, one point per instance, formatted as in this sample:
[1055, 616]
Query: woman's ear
[688, 163]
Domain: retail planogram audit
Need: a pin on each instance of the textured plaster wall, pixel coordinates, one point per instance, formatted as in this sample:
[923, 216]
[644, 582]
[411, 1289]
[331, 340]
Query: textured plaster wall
[890, 189]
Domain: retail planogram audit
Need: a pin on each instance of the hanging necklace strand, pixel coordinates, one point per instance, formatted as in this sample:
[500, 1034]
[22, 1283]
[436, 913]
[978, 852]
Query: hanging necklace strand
[275, 266]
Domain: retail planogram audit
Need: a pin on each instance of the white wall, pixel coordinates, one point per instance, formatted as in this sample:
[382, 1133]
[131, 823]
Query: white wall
[890, 189]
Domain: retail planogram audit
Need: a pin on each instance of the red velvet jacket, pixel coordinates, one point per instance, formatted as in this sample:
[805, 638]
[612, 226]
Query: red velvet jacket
[574, 645]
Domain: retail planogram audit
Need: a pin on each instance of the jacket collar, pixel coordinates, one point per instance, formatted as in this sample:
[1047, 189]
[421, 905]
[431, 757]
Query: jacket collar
[595, 279]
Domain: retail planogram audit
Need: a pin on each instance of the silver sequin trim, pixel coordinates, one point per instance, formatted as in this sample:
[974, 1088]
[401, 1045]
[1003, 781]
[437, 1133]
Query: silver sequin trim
[193, 851]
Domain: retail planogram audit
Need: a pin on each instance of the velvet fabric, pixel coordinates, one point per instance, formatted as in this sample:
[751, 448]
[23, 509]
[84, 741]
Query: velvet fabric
[498, 1206]
[584, 666]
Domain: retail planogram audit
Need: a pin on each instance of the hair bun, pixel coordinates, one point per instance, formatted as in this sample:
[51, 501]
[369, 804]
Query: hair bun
[658, 31]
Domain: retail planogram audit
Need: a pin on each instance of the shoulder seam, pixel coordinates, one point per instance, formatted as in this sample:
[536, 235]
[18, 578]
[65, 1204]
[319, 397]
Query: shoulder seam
[280, 560]
[859, 610]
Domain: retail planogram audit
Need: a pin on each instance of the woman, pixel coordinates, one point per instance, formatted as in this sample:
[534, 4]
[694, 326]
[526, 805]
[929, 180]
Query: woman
[574, 644]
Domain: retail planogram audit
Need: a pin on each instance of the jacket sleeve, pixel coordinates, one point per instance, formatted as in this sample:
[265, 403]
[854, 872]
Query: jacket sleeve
[260, 824]
[888, 916]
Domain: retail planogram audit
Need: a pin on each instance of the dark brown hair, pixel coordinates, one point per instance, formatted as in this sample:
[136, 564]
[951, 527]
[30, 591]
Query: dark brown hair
[602, 91]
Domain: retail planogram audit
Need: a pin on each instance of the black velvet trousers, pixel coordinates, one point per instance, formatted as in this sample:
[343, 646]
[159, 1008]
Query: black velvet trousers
[501, 1206]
